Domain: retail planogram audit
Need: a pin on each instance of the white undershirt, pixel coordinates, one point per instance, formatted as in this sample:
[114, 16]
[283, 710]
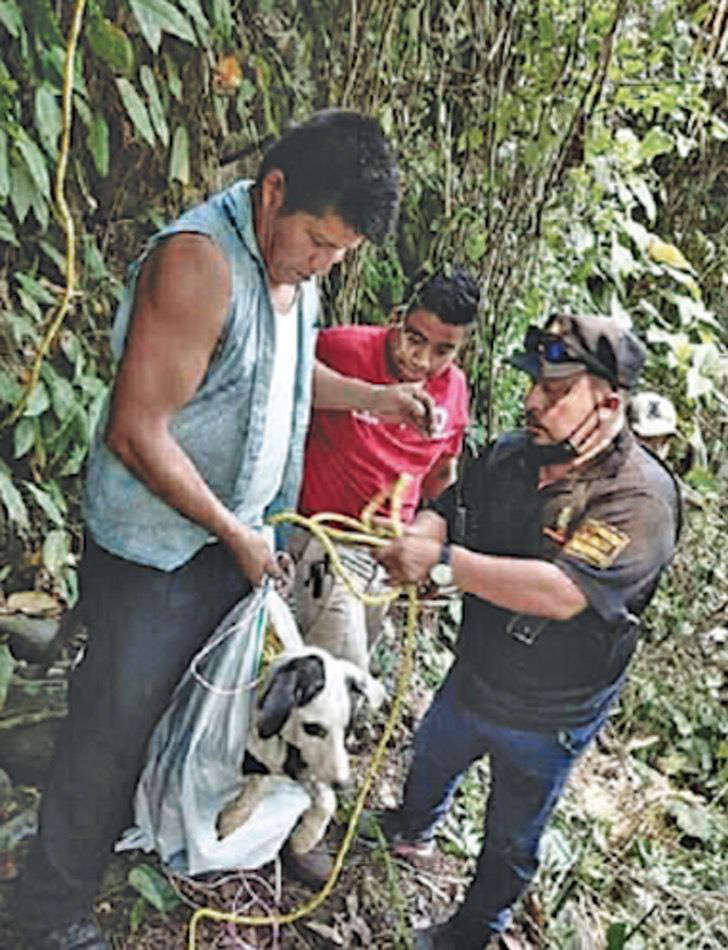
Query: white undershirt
[268, 474]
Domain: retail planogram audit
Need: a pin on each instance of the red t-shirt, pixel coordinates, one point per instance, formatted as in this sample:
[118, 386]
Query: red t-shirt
[350, 456]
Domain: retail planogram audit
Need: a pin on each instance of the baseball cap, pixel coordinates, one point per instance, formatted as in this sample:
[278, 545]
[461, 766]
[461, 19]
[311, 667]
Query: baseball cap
[651, 414]
[569, 344]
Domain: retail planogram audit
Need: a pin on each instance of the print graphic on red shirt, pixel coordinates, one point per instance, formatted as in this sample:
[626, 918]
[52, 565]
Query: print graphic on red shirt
[352, 455]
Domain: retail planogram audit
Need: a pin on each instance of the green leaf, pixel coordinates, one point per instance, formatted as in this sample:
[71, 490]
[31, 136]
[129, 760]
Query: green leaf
[643, 194]
[136, 110]
[68, 584]
[81, 107]
[22, 191]
[93, 259]
[10, 388]
[7, 231]
[4, 166]
[76, 457]
[136, 915]
[179, 161]
[45, 502]
[23, 437]
[110, 44]
[44, 23]
[10, 18]
[97, 141]
[12, 500]
[48, 118]
[36, 290]
[56, 549]
[222, 17]
[656, 142]
[55, 255]
[30, 305]
[35, 162]
[198, 17]
[622, 261]
[157, 16]
[475, 246]
[174, 83]
[38, 400]
[153, 887]
[63, 398]
[693, 820]
[616, 934]
[156, 110]
[7, 665]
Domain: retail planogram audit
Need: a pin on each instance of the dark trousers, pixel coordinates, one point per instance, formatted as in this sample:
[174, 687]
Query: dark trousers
[144, 627]
[528, 773]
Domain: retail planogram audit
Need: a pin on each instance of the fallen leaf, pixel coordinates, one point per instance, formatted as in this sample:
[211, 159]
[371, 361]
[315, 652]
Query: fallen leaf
[228, 75]
[328, 933]
[33, 602]
[665, 253]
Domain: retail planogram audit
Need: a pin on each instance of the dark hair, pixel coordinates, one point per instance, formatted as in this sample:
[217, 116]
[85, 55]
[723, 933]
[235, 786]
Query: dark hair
[454, 299]
[339, 160]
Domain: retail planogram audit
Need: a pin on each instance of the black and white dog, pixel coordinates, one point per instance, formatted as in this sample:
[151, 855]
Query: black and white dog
[302, 720]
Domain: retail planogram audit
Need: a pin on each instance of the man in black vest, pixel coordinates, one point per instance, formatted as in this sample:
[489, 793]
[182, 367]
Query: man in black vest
[569, 524]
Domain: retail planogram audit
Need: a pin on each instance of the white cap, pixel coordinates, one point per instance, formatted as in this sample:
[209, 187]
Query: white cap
[651, 414]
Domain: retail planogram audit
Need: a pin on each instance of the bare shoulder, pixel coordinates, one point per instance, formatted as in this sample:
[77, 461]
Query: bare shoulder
[181, 302]
[182, 265]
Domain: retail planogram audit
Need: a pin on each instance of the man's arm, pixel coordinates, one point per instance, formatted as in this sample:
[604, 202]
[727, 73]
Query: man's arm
[182, 298]
[398, 402]
[442, 475]
[523, 585]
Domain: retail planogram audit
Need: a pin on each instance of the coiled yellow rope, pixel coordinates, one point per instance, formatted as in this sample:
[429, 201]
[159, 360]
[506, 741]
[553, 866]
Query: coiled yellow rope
[361, 532]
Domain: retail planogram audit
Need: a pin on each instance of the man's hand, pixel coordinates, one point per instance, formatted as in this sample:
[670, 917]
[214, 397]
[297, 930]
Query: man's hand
[253, 554]
[405, 402]
[394, 402]
[409, 559]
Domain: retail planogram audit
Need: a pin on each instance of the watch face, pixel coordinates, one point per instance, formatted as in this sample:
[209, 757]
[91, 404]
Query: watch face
[441, 574]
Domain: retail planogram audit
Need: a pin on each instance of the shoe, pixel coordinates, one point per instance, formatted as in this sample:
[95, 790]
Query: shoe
[444, 937]
[403, 844]
[312, 868]
[433, 938]
[80, 934]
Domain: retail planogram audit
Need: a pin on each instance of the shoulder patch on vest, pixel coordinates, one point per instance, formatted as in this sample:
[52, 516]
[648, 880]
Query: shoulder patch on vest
[597, 543]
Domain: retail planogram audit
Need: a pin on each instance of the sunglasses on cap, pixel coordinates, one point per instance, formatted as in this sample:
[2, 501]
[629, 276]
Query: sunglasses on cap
[554, 349]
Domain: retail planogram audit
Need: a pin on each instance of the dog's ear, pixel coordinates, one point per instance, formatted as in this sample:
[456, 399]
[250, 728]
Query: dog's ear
[363, 686]
[310, 678]
[294, 683]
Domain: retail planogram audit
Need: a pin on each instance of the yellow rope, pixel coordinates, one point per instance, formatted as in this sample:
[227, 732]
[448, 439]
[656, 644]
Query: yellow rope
[65, 215]
[315, 525]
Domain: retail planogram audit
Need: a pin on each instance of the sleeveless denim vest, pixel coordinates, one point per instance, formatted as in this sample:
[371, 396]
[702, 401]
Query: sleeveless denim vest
[221, 428]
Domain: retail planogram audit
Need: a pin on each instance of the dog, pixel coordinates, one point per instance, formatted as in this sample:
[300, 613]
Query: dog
[303, 717]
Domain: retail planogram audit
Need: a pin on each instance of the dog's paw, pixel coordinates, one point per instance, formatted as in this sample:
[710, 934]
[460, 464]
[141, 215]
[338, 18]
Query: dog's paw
[228, 820]
[239, 810]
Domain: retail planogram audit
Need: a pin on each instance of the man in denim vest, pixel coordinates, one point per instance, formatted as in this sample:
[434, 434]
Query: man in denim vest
[569, 525]
[201, 439]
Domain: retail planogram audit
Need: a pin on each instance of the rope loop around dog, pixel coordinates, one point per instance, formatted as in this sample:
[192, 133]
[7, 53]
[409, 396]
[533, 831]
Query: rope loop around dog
[358, 531]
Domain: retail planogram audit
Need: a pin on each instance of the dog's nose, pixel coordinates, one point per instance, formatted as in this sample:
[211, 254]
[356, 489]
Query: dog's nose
[340, 786]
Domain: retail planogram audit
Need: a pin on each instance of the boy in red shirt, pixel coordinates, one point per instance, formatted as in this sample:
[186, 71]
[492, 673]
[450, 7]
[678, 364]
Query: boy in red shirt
[351, 455]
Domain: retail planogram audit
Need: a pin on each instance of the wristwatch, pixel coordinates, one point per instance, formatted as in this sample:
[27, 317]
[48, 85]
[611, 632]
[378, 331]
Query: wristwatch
[441, 573]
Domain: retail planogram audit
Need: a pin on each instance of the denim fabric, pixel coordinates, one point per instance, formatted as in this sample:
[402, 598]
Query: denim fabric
[528, 772]
[221, 428]
[144, 627]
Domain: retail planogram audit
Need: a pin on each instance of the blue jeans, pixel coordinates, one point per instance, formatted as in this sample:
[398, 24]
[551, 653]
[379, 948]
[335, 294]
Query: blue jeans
[528, 773]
